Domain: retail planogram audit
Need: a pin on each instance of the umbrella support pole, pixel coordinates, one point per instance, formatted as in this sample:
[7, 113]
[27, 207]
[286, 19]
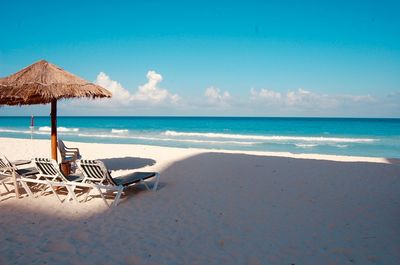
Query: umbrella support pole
[54, 129]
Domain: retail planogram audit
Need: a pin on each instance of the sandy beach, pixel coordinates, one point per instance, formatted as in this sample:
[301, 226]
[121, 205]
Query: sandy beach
[212, 207]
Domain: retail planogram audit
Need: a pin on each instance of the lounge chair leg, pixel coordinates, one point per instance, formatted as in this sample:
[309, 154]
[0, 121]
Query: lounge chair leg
[156, 183]
[145, 184]
[71, 193]
[16, 187]
[117, 197]
[102, 196]
[54, 192]
[26, 188]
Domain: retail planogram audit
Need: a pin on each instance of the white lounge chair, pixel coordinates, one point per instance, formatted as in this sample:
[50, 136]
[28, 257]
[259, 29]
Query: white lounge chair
[95, 172]
[10, 174]
[68, 154]
[6, 177]
[50, 173]
[43, 175]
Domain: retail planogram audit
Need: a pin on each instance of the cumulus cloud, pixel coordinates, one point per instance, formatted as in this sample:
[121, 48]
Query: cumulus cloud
[119, 93]
[305, 99]
[149, 92]
[216, 96]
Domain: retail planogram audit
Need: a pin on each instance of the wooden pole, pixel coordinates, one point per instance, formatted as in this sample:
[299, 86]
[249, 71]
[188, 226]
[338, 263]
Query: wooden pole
[54, 129]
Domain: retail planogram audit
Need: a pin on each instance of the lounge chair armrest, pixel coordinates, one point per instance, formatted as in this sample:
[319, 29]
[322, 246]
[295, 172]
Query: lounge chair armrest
[71, 152]
[72, 149]
[74, 155]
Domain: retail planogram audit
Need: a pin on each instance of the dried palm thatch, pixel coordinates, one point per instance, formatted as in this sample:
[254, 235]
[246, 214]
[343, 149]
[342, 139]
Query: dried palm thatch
[43, 82]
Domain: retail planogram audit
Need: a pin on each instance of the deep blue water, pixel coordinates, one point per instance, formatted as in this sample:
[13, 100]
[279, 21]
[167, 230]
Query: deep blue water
[340, 136]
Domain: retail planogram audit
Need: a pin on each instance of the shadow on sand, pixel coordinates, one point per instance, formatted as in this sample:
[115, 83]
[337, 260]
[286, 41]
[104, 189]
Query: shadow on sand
[269, 210]
[123, 163]
[394, 161]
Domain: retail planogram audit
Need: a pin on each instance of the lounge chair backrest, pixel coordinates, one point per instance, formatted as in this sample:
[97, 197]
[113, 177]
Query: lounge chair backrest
[48, 167]
[94, 171]
[4, 163]
[61, 147]
[70, 154]
[60, 144]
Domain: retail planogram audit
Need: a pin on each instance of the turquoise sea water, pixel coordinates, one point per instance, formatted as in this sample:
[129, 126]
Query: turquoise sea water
[339, 136]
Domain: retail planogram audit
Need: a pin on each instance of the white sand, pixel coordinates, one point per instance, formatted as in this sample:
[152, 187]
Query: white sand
[212, 207]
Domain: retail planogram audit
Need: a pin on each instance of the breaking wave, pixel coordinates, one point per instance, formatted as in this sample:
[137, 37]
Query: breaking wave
[271, 138]
[119, 131]
[105, 135]
[306, 145]
[59, 129]
[200, 138]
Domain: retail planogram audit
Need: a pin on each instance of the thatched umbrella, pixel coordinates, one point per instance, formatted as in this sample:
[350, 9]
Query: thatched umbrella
[43, 83]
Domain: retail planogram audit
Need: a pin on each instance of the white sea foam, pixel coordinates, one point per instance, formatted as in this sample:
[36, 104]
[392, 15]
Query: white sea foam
[59, 129]
[306, 145]
[119, 131]
[163, 139]
[22, 131]
[15, 131]
[205, 138]
[272, 137]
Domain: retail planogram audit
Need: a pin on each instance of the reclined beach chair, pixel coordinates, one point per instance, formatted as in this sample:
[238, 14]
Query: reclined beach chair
[50, 174]
[49, 171]
[68, 154]
[10, 174]
[6, 176]
[95, 172]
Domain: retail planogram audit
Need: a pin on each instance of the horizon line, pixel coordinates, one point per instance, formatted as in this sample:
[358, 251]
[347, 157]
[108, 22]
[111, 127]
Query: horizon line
[205, 116]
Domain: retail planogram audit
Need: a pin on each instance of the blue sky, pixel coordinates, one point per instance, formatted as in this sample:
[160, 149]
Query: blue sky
[256, 58]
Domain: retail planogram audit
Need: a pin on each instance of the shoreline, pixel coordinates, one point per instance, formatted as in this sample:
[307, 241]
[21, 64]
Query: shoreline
[314, 156]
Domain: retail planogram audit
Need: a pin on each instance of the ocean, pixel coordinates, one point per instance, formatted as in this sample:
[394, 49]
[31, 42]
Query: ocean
[337, 136]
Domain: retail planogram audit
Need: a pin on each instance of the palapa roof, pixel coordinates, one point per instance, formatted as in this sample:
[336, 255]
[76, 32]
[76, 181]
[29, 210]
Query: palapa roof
[42, 82]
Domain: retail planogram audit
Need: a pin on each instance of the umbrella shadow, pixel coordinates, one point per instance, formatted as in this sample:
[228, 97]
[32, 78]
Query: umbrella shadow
[123, 163]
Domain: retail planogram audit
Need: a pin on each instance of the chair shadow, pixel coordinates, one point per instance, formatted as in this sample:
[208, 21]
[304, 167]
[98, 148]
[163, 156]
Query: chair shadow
[123, 163]
[394, 161]
[7, 195]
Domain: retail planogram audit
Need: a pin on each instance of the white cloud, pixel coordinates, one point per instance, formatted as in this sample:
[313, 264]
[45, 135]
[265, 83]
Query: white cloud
[265, 94]
[215, 96]
[302, 99]
[119, 93]
[361, 99]
[152, 93]
[149, 92]
[307, 99]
